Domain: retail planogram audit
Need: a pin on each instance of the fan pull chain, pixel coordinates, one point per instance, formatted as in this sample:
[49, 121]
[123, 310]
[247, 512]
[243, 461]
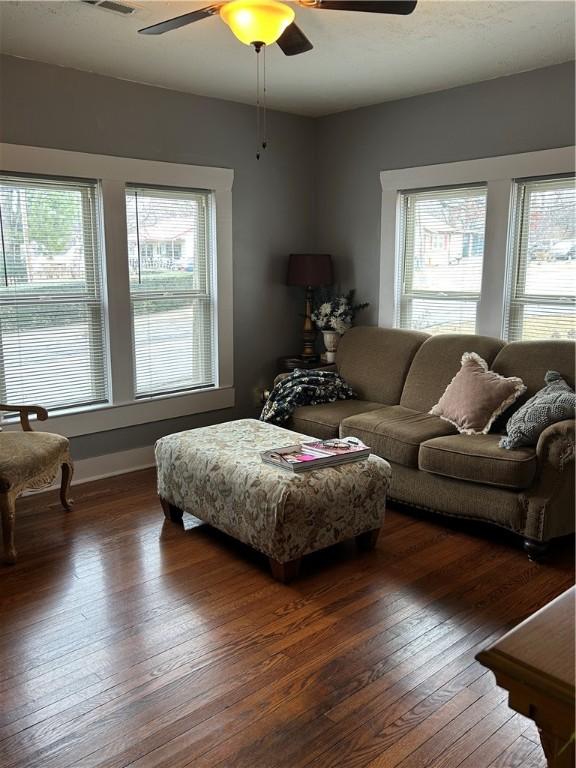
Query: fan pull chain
[264, 115]
[257, 49]
[261, 127]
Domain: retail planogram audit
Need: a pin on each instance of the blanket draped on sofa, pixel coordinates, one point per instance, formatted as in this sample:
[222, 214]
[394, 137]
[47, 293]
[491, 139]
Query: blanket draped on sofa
[304, 388]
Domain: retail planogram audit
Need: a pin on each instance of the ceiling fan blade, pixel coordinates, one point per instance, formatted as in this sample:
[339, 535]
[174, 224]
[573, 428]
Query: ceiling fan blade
[399, 7]
[180, 21]
[293, 41]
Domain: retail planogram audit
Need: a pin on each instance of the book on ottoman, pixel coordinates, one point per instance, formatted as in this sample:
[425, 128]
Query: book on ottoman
[316, 454]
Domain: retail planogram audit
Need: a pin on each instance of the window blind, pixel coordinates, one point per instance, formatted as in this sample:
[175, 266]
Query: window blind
[52, 341]
[441, 253]
[542, 297]
[170, 252]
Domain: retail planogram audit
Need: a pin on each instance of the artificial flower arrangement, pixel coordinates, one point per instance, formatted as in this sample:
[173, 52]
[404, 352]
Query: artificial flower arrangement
[337, 313]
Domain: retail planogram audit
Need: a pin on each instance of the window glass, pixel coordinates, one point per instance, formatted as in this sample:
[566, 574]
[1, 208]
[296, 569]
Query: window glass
[170, 252]
[543, 287]
[442, 252]
[52, 340]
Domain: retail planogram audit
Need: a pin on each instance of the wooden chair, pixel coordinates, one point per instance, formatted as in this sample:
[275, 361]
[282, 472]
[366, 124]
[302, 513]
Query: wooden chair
[29, 460]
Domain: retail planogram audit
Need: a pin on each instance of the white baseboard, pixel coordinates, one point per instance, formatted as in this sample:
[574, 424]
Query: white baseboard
[112, 464]
[109, 465]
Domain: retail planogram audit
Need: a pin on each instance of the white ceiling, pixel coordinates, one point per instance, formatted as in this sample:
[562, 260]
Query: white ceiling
[358, 58]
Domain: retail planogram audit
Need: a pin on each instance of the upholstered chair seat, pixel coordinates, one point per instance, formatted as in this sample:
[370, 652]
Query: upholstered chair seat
[30, 458]
[29, 461]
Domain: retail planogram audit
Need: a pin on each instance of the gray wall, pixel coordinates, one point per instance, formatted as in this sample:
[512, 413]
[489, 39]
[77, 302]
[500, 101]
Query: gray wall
[273, 199]
[520, 113]
[318, 185]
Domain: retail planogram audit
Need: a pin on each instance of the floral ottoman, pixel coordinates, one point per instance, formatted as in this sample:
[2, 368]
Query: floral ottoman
[215, 473]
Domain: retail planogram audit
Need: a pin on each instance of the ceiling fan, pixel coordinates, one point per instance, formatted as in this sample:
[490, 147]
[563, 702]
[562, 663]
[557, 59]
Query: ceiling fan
[263, 22]
[260, 23]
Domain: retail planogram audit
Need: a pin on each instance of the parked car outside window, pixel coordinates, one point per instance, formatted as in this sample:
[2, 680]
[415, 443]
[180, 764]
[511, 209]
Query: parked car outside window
[564, 250]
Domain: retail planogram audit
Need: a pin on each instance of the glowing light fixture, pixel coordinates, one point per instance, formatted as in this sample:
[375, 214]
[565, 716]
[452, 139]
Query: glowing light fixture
[257, 22]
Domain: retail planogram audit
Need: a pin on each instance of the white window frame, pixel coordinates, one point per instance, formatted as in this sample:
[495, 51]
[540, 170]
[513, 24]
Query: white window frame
[499, 174]
[113, 174]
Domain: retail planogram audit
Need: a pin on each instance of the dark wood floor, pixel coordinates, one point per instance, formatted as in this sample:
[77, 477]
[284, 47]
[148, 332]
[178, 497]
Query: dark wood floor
[127, 641]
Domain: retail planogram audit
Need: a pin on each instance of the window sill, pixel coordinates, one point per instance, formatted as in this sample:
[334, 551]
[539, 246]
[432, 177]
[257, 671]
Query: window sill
[108, 417]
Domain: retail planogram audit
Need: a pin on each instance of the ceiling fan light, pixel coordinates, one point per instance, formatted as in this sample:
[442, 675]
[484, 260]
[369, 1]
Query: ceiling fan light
[257, 21]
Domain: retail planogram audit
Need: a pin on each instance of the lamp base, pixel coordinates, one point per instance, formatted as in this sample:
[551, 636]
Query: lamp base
[309, 353]
[308, 330]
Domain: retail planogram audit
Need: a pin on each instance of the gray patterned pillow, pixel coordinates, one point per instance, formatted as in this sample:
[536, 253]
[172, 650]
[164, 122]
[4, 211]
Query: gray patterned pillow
[555, 402]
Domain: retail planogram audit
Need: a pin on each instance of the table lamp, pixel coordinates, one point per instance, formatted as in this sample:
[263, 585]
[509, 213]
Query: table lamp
[309, 271]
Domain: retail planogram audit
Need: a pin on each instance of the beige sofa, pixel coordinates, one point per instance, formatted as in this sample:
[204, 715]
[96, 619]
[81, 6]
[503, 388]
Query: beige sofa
[399, 375]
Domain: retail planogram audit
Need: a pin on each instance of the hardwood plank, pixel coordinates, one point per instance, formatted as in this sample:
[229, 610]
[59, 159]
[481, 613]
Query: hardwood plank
[450, 743]
[522, 753]
[404, 737]
[114, 617]
[298, 732]
[510, 606]
[497, 743]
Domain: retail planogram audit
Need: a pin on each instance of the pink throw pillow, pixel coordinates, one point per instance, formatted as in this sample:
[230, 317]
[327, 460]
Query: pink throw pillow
[476, 396]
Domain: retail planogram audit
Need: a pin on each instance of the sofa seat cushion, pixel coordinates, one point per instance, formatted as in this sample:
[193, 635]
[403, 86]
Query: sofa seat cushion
[323, 421]
[479, 459]
[395, 432]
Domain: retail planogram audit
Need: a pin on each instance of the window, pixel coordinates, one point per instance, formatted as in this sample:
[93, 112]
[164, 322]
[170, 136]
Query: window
[52, 340]
[170, 258]
[481, 246]
[442, 249]
[543, 287]
[116, 289]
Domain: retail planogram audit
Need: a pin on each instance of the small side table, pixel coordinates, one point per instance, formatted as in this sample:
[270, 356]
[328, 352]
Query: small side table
[534, 662]
[291, 362]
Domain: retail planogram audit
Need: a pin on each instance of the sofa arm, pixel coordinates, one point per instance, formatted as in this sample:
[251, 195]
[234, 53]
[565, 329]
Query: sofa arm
[556, 444]
[548, 505]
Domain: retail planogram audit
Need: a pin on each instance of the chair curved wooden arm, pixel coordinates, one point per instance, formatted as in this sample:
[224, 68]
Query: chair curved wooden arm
[29, 460]
[24, 412]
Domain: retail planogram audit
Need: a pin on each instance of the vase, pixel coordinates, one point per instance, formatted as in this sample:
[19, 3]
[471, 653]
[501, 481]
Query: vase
[331, 339]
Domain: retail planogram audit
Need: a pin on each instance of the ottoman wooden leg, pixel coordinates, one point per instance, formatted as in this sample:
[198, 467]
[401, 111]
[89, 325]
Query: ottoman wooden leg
[367, 540]
[8, 512]
[284, 572]
[171, 512]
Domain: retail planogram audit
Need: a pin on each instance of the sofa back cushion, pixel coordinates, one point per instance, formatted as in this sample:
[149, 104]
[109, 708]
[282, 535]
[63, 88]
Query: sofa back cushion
[531, 360]
[375, 361]
[437, 362]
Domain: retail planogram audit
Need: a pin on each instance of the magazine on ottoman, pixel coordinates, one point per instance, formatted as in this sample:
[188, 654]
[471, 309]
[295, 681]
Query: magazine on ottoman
[315, 454]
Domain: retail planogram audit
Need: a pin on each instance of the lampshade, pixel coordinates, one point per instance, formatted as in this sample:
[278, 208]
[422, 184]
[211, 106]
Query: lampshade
[257, 21]
[310, 270]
